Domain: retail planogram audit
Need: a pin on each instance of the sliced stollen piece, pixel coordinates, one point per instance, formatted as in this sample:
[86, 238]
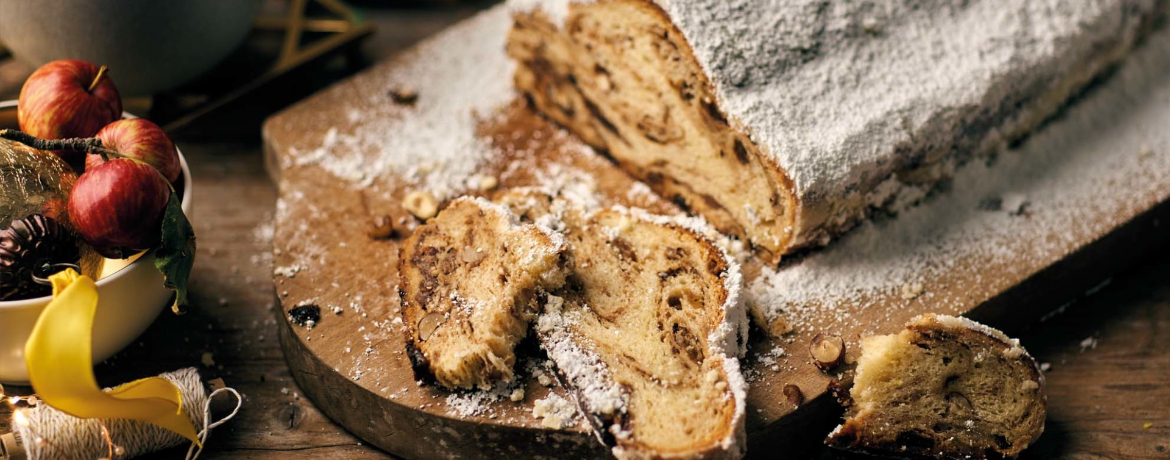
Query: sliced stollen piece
[468, 282]
[944, 387]
[646, 331]
[787, 122]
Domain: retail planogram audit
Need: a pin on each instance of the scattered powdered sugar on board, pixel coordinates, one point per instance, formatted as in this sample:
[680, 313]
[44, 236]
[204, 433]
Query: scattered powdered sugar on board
[432, 142]
[477, 402]
[1103, 161]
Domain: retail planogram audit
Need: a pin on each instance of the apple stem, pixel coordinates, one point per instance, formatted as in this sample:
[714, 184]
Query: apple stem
[77, 144]
[101, 73]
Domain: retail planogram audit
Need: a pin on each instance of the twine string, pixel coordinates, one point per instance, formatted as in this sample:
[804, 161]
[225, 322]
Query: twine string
[51, 434]
[194, 451]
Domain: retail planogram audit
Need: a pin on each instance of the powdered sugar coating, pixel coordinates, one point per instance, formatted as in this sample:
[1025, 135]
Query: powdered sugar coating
[843, 94]
[1106, 158]
[959, 322]
[557, 238]
[595, 388]
[434, 146]
[736, 440]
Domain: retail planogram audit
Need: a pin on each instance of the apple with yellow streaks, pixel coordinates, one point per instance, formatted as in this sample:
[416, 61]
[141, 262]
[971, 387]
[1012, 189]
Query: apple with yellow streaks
[141, 140]
[68, 98]
[117, 207]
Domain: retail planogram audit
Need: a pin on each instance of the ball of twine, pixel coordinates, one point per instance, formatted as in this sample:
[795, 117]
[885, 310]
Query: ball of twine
[52, 434]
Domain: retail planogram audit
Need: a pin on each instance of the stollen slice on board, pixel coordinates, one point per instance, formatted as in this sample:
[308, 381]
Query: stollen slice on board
[943, 387]
[469, 283]
[646, 331]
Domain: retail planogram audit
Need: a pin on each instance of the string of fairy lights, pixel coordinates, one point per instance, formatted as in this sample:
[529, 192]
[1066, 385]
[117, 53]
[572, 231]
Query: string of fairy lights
[20, 419]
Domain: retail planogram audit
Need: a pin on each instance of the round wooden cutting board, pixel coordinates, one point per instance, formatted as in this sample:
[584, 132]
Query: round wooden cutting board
[326, 154]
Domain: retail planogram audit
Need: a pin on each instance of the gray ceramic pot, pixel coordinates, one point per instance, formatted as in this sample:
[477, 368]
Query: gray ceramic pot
[149, 45]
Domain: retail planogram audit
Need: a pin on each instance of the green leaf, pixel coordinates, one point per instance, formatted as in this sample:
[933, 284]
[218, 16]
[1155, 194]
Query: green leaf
[176, 253]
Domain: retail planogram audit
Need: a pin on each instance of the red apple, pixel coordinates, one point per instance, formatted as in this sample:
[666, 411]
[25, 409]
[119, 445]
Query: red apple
[117, 207]
[67, 98]
[141, 140]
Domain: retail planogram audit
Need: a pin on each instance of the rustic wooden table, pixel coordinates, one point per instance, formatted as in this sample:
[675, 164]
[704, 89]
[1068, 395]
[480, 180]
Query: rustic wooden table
[1109, 353]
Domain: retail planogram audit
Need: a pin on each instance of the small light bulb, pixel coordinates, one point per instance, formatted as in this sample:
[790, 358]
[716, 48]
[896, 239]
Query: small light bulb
[119, 451]
[19, 418]
[13, 400]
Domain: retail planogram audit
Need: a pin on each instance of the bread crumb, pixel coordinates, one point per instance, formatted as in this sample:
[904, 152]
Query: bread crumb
[911, 290]
[485, 183]
[287, 272]
[554, 411]
[1090, 343]
[517, 395]
[421, 204]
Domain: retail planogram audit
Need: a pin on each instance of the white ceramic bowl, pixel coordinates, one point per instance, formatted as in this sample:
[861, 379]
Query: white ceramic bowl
[130, 296]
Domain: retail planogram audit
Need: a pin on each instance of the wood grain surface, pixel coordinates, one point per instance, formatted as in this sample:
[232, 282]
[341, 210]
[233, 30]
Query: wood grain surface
[1101, 398]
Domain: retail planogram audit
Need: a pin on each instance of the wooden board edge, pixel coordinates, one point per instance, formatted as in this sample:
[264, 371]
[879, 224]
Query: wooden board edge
[414, 434]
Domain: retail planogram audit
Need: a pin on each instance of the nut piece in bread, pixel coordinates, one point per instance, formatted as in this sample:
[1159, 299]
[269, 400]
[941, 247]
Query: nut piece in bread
[645, 332]
[469, 280]
[944, 387]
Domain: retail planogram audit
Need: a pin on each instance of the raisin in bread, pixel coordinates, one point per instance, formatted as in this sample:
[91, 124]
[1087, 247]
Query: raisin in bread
[786, 122]
[646, 332]
[468, 283]
[944, 387]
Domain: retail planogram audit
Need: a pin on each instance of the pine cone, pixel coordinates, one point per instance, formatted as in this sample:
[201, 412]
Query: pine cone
[30, 247]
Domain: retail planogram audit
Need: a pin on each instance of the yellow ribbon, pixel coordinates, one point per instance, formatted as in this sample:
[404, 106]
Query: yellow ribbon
[60, 365]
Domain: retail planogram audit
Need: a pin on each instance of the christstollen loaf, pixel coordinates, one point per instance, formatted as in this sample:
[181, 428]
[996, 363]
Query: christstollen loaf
[785, 122]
